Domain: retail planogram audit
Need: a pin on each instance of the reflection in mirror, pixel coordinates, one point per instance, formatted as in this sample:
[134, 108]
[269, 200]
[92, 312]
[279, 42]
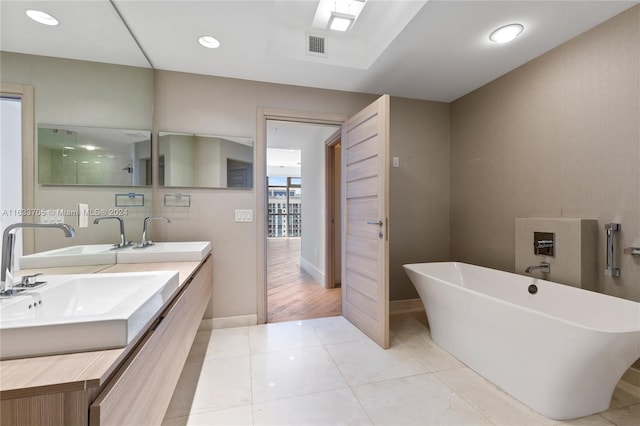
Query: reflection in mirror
[73, 155]
[201, 161]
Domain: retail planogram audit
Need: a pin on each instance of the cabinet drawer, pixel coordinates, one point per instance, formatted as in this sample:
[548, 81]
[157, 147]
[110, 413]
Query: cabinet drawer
[142, 388]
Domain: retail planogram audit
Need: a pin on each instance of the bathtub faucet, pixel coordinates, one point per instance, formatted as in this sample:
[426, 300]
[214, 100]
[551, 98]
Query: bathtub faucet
[544, 267]
[8, 243]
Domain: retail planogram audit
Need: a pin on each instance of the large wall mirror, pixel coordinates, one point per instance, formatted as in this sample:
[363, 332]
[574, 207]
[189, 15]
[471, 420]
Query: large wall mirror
[205, 161]
[88, 80]
[74, 155]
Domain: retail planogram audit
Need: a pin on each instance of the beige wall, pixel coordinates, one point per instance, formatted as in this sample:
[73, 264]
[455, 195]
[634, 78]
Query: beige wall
[312, 245]
[200, 104]
[84, 94]
[536, 142]
[92, 94]
[418, 189]
[557, 137]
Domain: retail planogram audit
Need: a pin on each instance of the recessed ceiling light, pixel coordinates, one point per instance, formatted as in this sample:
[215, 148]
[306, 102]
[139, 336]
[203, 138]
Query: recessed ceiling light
[41, 17]
[209, 42]
[90, 147]
[506, 34]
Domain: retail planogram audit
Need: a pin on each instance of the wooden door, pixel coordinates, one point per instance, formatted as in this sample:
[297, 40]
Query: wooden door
[365, 242]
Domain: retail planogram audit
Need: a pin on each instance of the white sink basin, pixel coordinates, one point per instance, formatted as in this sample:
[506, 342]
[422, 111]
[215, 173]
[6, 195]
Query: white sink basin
[190, 251]
[93, 254]
[77, 313]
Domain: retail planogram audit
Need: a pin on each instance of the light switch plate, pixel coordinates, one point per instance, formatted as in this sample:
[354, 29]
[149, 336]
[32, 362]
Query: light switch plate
[52, 216]
[83, 215]
[243, 215]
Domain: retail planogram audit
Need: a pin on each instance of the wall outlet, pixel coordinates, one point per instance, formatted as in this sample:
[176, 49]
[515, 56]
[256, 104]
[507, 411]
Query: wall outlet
[244, 215]
[396, 161]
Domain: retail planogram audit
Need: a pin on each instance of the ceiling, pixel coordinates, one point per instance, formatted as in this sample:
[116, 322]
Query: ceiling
[436, 50]
[286, 140]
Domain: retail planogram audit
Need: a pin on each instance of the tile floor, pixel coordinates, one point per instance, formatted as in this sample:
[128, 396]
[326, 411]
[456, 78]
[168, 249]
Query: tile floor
[325, 372]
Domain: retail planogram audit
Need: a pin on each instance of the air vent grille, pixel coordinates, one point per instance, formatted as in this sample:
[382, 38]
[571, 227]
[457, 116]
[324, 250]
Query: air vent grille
[316, 45]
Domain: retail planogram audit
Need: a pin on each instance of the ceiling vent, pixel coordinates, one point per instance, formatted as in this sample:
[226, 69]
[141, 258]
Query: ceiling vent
[316, 45]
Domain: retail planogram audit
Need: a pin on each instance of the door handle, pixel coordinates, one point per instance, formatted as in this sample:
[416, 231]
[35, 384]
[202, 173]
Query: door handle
[379, 223]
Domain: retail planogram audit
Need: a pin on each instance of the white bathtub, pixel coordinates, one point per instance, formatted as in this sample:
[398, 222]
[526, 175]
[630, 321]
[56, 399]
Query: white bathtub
[560, 351]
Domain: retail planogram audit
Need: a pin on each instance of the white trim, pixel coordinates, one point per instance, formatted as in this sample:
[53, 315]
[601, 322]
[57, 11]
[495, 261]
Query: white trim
[228, 322]
[405, 306]
[264, 114]
[311, 269]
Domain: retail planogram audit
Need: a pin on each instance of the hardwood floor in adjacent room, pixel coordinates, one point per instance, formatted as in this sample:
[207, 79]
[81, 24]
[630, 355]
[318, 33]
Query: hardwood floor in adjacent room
[292, 294]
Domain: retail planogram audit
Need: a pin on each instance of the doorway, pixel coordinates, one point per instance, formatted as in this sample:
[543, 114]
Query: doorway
[364, 216]
[295, 236]
[333, 256]
[11, 165]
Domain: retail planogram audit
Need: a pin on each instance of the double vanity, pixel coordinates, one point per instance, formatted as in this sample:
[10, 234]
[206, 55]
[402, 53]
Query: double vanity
[104, 341]
[104, 254]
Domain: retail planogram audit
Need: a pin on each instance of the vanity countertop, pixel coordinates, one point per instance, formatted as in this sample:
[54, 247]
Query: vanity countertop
[78, 371]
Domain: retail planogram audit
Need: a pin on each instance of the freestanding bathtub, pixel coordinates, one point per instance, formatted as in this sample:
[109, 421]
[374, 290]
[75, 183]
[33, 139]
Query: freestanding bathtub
[561, 351]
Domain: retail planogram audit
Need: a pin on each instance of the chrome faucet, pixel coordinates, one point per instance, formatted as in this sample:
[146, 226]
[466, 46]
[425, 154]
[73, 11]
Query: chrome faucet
[123, 241]
[144, 243]
[544, 267]
[8, 244]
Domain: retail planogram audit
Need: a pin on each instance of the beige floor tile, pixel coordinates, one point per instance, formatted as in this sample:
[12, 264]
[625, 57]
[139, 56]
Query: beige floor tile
[403, 324]
[215, 384]
[293, 372]
[300, 372]
[365, 362]
[595, 420]
[334, 330]
[432, 356]
[624, 395]
[282, 335]
[417, 400]
[220, 343]
[237, 416]
[499, 407]
[628, 416]
[337, 407]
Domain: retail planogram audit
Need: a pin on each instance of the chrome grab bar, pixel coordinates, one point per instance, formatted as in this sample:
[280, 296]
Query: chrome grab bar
[610, 269]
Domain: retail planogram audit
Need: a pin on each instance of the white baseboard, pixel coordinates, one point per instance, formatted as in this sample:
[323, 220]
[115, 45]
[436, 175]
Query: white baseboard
[405, 306]
[395, 307]
[228, 322]
[316, 273]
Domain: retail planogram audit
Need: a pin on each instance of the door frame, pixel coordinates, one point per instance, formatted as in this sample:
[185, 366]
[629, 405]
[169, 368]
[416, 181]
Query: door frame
[26, 93]
[330, 206]
[264, 114]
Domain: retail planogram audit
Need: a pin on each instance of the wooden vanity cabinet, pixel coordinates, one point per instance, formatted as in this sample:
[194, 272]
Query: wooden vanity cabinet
[142, 388]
